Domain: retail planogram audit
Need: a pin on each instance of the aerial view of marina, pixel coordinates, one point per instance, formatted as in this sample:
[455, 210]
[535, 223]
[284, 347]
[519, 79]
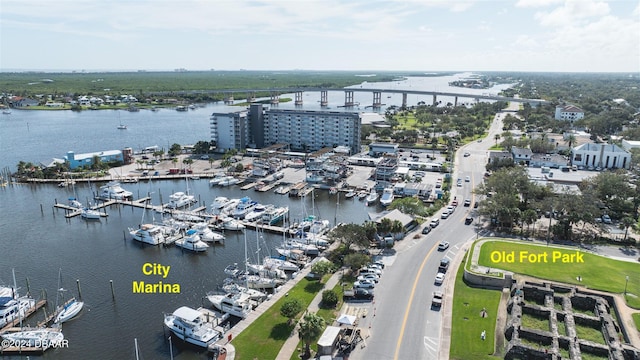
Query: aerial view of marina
[408, 211]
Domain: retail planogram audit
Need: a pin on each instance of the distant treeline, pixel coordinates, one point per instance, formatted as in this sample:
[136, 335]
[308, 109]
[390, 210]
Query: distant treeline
[143, 83]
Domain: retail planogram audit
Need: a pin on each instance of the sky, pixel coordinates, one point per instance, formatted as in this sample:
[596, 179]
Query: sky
[360, 35]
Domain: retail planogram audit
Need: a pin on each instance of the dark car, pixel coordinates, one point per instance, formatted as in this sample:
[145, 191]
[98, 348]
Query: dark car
[426, 230]
[468, 220]
[444, 265]
[475, 205]
[467, 203]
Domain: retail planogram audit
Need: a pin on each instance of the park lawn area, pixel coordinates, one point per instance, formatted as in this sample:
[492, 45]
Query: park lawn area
[406, 120]
[263, 339]
[329, 316]
[467, 324]
[636, 320]
[597, 272]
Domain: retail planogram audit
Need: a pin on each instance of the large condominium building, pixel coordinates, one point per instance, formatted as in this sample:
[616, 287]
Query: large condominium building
[312, 130]
[303, 130]
[230, 130]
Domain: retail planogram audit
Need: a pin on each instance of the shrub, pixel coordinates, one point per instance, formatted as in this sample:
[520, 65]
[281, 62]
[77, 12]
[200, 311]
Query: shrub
[329, 298]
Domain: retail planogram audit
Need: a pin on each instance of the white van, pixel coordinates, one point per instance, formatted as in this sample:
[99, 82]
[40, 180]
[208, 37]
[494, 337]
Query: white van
[545, 169]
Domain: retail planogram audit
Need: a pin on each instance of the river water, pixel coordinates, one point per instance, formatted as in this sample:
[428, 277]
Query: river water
[36, 239]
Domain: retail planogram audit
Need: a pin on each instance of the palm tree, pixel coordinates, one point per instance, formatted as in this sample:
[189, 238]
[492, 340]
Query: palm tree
[497, 137]
[311, 328]
[625, 224]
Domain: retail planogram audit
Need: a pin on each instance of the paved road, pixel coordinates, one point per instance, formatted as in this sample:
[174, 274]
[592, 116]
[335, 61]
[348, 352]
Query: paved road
[404, 325]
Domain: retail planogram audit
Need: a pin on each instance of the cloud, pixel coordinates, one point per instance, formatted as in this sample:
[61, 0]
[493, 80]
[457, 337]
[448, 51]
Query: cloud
[572, 12]
[536, 3]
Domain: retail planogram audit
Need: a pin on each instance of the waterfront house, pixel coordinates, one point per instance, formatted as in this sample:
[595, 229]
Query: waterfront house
[87, 159]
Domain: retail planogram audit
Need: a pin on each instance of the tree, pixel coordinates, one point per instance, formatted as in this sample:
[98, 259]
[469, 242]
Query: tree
[311, 328]
[496, 137]
[625, 224]
[322, 268]
[329, 298]
[175, 150]
[290, 309]
[356, 260]
[350, 234]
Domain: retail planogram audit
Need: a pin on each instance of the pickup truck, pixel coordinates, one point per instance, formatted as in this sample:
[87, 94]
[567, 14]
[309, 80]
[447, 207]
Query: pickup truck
[358, 294]
[437, 299]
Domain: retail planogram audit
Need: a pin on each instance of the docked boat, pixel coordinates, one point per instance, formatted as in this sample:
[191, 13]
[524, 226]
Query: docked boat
[280, 264]
[282, 189]
[239, 304]
[372, 198]
[180, 199]
[215, 180]
[85, 212]
[269, 271]
[274, 215]
[39, 338]
[362, 195]
[206, 234]
[319, 226]
[387, 197]
[228, 181]
[189, 325]
[232, 270]
[256, 213]
[69, 311]
[229, 223]
[261, 282]
[220, 203]
[350, 194]
[12, 308]
[245, 206]
[231, 287]
[191, 241]
[113, 190]
[149, 234]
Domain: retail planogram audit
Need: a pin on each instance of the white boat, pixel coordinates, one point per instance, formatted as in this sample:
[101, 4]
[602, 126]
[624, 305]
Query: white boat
[219, 203]
[186, 216]
[180, 199]
[245, 206]
[189, 325]
[268, 271]
[12, 308]
[149, 233]
[70, 310]
[215, 180]
[256, 213]
[6, 291]
[229, 223]
[387, 197]
[232, 270]
[122, 127]
[372, 198]
[238, 304]
[85, 212]
[319, 226]
[362, 195]
[6, 111]
[280, 264]
[282, 189]
[113, 190]
[274, 215]
[228, 181]
[39, 338]
[350, 194]
[260, 282]
[307, 249]
[232, 287]
[206, 234]
[191, 241]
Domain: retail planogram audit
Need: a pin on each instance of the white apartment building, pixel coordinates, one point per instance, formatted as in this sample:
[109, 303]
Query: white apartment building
[568, 112]
[312, 130]
[230, 130]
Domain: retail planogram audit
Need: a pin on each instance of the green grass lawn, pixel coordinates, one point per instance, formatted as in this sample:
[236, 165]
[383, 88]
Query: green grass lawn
[636, 320]
[597, 272]
[467, 324]
[263, 339]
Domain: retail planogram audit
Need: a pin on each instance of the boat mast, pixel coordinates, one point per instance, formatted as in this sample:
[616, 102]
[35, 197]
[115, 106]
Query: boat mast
[135, 341]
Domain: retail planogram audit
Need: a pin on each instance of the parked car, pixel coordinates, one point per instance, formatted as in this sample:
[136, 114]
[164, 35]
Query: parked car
[439, 279]
[437, 299]
[444, 245]
[606, 219]
[468, 220]
[444, 265]
[372, 277]
[434, 222]
[358, 294]
[364, 284]
[445, 214]
[370, 271]
[467, 202]
[466, 154]
[426, 230]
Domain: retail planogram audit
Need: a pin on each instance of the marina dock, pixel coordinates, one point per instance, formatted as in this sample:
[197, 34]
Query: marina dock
[11, 326]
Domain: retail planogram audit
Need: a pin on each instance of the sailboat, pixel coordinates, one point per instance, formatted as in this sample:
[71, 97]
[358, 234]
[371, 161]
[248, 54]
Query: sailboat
[121, 126]
[43, 338]
[70, 309]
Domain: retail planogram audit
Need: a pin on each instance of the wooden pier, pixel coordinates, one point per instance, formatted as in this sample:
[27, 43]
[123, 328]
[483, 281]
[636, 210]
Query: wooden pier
[12, 324]
[248, 186]
[49, 318]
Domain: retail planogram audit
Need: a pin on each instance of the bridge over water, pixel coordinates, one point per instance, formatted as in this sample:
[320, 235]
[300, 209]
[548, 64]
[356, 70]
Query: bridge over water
[275, 93]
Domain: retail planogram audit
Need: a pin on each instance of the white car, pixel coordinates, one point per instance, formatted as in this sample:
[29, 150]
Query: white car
[606, 219]
[364, 284]
[439, 278]
[372, 277]
[444, 245]
[467, 179]
[445, 214]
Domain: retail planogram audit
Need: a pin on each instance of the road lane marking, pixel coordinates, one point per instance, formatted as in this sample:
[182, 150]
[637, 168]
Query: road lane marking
[413, 290]
[428, 340]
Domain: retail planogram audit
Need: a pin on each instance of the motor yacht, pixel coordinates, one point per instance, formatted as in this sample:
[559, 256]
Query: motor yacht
[206, 234]
[149, 233]
[236, 304]
[256, 213]
[228, 181]
[12, 309]
[189, 325]
[245, 206]
[180, 199]
[191, 241]
[274, 215]
[372, 198]
[229, 223]
[113, 190]
[387, 197]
